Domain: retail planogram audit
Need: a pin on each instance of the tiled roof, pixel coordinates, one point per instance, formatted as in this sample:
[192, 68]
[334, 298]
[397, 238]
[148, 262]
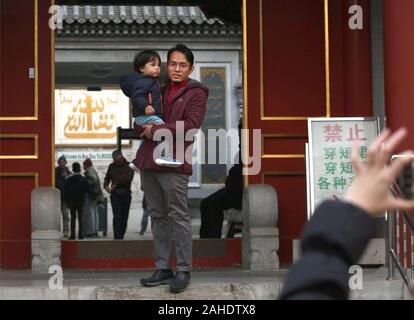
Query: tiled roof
[142, 20]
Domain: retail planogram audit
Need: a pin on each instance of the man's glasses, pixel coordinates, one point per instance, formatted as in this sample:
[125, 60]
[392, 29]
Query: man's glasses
[181, 66]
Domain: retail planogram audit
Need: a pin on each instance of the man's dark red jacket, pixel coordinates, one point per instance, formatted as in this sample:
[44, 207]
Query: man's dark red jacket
[188, 106]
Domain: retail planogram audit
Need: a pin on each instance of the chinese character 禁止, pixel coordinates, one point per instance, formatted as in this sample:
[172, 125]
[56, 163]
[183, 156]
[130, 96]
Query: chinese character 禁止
[339, 183]
[330, 153]
[333, 133]
[354, 134]
[345, 153]
[346, 167]
[323, 183]
[330, 168]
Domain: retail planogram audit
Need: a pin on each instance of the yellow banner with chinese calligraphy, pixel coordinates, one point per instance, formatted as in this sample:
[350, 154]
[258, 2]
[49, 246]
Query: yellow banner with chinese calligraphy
[89, 117]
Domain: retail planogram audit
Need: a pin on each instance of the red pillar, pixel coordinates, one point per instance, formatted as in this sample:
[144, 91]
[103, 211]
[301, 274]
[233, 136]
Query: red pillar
[399, 66]
[357, 62]
[350, 59]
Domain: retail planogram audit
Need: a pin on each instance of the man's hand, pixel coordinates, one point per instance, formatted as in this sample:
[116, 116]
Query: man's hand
[149, 110]
[147, 131]
[370, 189]
[110, 189]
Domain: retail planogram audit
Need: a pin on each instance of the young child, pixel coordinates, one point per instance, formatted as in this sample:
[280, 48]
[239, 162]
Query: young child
[143, 87]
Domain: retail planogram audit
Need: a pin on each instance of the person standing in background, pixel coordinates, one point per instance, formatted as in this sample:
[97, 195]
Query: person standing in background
[62, 172]
[76, 189]
[117, 183]
[94, 196]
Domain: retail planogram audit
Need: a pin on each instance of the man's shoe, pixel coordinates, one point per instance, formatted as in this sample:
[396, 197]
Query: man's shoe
[168, 162]
[162, 276]
[180, 282]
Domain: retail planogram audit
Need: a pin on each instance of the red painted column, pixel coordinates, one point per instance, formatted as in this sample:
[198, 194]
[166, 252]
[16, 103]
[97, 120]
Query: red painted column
[399, 66]
[357, 83]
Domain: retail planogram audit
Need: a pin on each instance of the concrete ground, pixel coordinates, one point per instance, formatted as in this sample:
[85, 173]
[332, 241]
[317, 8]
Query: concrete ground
[227, 284]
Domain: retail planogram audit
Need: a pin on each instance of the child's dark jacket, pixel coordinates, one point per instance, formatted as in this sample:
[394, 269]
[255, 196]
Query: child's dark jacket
[143, 91]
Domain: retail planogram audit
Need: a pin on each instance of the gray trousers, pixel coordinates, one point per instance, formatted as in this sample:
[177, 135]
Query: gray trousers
[166, 195]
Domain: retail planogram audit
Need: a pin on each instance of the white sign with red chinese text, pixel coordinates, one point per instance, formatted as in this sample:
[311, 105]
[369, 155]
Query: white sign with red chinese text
[330, 170]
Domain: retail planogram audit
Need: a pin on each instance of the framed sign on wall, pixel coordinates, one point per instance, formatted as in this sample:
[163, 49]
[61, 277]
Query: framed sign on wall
[84, 118]
[329, 168]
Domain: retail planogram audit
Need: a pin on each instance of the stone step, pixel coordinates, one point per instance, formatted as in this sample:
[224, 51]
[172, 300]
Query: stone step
[138, 254]
[228, 284]
[375, 286]
[213, 291]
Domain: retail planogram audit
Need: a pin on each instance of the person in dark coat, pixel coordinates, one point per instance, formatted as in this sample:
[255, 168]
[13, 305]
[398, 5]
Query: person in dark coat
[230, 197]
[94, 197]
[117, 182]
[144, 90]
[226, 198]
[62, 172]
[76, 188]
[339, 231]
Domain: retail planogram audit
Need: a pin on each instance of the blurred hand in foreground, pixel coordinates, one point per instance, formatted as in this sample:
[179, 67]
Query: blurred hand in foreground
[370, 189]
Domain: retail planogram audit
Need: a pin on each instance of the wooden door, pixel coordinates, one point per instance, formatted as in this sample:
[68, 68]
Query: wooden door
[26, 125]
[289, 49]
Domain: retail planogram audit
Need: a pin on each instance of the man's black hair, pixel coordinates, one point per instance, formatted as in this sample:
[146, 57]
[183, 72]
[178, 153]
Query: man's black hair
[142, 58]
[184, 50]
[76, 167]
